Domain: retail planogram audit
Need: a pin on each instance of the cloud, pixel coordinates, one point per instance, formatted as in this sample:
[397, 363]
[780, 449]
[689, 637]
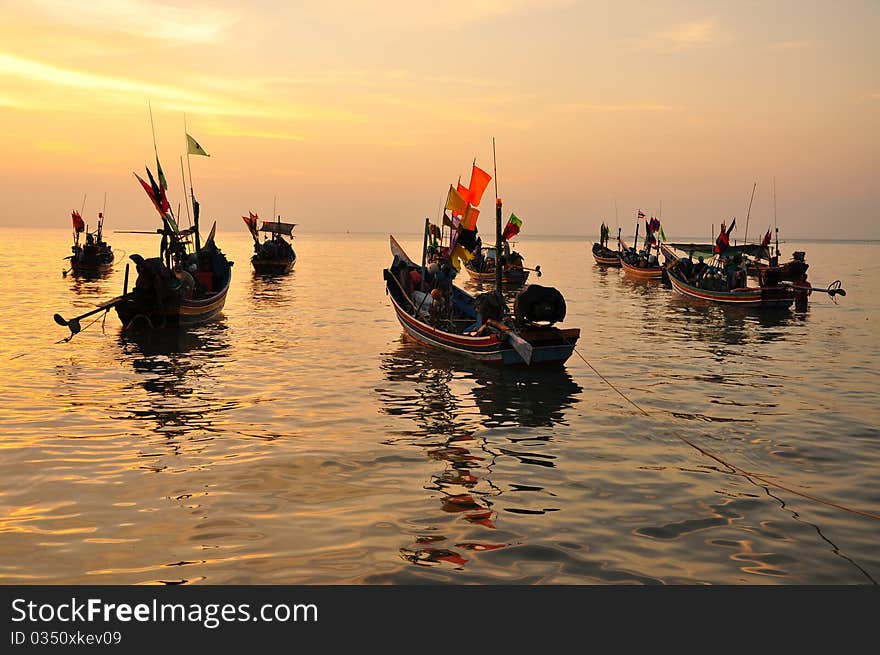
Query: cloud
[394, 14]
[680, 37]
[689, 34]
[45, 77]
[609, 108]
[791, 45]
[143, 18]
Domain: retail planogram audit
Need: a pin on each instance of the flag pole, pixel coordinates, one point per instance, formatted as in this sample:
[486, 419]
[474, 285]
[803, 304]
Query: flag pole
[183, 177]
[497, 227]
[153, 130]
[192, 194]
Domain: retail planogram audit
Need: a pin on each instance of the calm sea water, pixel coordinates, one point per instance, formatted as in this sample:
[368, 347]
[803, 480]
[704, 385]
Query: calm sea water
[301, 439]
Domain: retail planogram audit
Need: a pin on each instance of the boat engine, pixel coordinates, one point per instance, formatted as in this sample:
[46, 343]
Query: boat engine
[489, 305]
[537, 304]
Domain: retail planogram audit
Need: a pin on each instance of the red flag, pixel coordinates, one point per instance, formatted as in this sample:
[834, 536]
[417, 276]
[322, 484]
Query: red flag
[251, 222]
[723, 242]
[149, 191]
[159, 194]
[766, 240]
[78, 224]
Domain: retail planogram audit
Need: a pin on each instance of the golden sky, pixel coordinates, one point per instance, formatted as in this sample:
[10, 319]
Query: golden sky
[357, 115]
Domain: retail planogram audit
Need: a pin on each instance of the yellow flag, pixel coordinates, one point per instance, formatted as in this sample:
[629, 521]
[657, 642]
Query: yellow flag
[459, 256]
[193, 147]
[454, 201]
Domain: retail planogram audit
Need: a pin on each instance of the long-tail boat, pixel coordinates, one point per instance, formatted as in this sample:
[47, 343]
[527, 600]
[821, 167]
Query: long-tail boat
[644, 264]
[440, 315]
[714, 283]
[526, 337]
[94, 257]
[274, 255]
[185, 285]
[604, 255]
[513, 272]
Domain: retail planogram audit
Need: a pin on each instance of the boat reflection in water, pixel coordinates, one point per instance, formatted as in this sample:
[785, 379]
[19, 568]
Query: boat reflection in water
[732, 326]
[178, 371]
[469, 418]
[271, 290]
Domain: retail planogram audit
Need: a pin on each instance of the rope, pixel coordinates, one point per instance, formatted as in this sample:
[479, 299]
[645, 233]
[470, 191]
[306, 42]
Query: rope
[73, 334]
[733, 467]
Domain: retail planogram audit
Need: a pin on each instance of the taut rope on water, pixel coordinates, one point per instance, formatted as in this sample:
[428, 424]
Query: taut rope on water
[733, 467]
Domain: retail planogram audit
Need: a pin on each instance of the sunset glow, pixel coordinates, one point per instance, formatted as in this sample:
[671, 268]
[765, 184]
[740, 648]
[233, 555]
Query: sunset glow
[358, 115]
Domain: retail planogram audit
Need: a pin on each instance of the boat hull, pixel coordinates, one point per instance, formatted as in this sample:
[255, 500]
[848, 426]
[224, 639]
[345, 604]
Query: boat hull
[516, 276]
[184, 313]
[91, 270]
[272, 266]
[607, 261]
[550, 345]
[756, 298]
[647, 273]
[605, 256]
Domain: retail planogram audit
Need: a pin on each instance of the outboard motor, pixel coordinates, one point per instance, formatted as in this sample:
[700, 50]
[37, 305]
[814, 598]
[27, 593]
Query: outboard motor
[489, 305]
[539, 304]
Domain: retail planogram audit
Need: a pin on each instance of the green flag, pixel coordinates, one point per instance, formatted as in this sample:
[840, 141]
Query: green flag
[162, 182]
[512, 227]
[662, 236]
[193, 147]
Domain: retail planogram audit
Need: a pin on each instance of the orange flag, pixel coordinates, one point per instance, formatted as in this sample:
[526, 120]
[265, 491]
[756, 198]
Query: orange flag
[469, 220]
[479, 182]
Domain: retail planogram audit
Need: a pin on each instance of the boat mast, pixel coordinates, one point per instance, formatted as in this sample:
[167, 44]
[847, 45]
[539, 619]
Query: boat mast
[192, 194]
[746, 236]
[775, 226]
[659, 218]
[82, 209]
[101, 218]
[636, 237]
[497, 226]
[425, 253]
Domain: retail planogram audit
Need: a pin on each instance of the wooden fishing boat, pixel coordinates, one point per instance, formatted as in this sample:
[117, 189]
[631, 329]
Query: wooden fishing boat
[708, 284]
[186, 285]
[640, 264]
[775, 297]
[604, 256]
[94, 257]
[482, 268]
[513, 340]
[195, 294]
[275, 255]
